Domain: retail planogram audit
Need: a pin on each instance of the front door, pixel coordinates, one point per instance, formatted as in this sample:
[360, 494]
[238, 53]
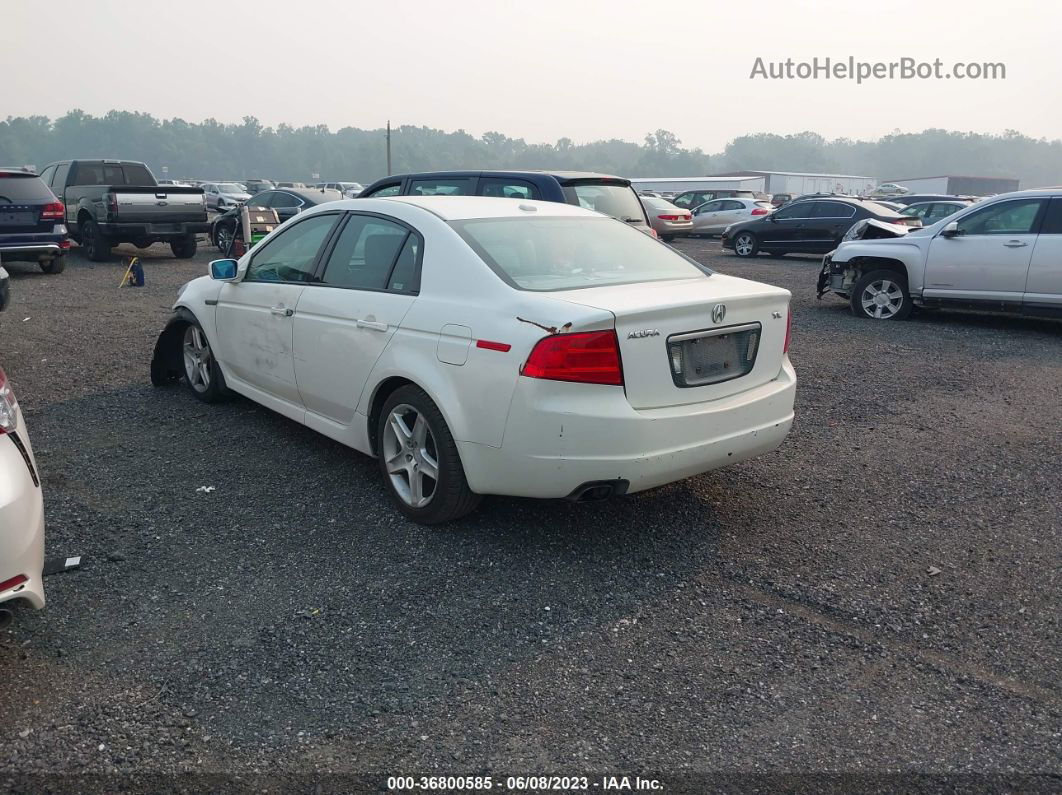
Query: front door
[827, 225]
[342, 326]
[1043, 287]
[988, 259]
[783, 227]
[255, 315]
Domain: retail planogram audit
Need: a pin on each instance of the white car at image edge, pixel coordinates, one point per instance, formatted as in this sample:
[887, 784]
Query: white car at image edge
[21, 511]
[491, 346]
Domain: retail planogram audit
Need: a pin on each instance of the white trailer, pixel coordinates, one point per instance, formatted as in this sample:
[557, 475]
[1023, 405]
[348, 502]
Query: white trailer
[798, 183]
[682, 184]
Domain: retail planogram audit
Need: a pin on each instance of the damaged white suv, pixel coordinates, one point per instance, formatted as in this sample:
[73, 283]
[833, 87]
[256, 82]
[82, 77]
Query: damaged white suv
[1001, 254]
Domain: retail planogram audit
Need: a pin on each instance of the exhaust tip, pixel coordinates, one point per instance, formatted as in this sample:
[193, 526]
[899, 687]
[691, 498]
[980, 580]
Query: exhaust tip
[598, 490]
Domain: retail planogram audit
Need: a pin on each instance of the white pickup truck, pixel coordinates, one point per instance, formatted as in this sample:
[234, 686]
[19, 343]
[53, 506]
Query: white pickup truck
[1001, 254]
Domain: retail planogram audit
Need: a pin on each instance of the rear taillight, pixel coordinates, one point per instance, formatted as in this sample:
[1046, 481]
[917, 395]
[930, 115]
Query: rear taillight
[760, 211]
[52, 211]
[590, 357]
[673, 217]
[788, 331]
[8, 405]
[112, 203]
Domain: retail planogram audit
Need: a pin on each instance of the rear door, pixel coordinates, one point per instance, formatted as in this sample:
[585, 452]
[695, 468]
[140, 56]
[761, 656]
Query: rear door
[343, 324]
[989, 258]
[255, 316]
[829, 221]
[1043, 286]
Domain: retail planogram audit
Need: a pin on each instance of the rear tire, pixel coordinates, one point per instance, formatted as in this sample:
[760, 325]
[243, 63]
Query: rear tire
[54, 265]
[746, 245]
[97, 245]
[881, 295]
[185, 247]
[414, 440]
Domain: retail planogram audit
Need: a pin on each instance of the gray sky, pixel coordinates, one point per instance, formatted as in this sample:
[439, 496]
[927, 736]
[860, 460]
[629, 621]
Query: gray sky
[541, 69]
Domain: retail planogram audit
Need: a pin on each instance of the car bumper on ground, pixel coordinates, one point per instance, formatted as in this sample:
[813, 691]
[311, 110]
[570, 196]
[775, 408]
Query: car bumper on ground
[21, 521]
[561, 436]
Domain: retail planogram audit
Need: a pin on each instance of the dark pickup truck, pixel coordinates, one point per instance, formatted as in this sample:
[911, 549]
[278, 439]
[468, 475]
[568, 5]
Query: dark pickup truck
[108, 202]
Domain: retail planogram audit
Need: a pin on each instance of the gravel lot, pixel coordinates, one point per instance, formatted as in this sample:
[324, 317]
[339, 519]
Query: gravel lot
[776, 616]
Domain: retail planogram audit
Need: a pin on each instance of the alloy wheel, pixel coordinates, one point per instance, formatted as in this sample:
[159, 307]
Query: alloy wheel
[743, 245]
[882, 299]
[197, 358]
[410, 455]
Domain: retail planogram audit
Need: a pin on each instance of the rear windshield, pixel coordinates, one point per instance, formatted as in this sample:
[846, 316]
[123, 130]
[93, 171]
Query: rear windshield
[20, 189]
[112, 174]
[568, 253]
[619, 201]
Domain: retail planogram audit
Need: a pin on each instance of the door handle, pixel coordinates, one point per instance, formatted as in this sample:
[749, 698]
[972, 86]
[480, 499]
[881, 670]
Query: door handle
[372, 324]
[282, 310]
[1015, 244]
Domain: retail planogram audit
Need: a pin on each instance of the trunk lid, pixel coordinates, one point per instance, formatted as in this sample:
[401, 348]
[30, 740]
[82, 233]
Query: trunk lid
[674, 352]
[163, 203]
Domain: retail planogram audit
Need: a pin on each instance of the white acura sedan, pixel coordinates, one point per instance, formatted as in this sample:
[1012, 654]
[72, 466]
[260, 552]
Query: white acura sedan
[21, 511]
[491, 346]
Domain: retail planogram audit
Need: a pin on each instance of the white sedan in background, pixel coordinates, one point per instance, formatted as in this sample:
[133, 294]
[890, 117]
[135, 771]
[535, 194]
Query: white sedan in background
[490, 346]
[711, 218]
[21, 512]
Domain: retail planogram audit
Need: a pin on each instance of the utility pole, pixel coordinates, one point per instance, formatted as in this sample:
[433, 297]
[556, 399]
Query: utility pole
[388, 147]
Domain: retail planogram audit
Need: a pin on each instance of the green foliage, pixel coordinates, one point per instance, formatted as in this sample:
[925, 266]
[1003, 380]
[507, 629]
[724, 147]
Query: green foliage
[212, 150]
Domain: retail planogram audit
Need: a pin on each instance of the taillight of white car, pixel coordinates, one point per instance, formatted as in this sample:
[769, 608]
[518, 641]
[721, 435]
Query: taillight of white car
[591, 357]
[8, 405]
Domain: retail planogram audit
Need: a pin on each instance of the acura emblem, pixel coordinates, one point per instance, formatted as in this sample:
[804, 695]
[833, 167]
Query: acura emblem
[718, 313]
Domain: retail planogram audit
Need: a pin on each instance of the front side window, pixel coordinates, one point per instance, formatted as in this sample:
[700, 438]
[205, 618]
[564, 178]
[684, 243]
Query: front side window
[568, 253]
[281, 199]
[1006, 218]
[60, 175]
[291, 256]
[710, 207]
[46, 175]
[916, 210]
[793, 211]
[260, 200]
[365, 253]
[387, 190]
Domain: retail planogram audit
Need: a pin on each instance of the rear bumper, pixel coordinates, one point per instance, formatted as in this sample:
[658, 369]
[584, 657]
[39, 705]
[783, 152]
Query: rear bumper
[21, 523]
[560, 436]
[156, 231]
[31, 247]
[5, 289]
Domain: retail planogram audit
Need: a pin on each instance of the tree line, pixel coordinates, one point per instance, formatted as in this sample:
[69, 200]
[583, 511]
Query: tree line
[213, 150]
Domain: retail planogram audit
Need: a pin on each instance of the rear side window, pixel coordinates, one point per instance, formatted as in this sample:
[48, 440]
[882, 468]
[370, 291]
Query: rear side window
[833, 210]
[507, 188]
[1053, 218]
[618, 201]
[544, 254]
[27, 189]
[112, 174]
[439, 187]
[365, 253]
[135, 174]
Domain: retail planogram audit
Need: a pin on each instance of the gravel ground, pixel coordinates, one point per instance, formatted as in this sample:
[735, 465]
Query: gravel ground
[774, 617]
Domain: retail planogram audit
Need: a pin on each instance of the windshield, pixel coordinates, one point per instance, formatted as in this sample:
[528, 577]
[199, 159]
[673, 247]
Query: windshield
[568, 253]
[230, 187]
[619, 201]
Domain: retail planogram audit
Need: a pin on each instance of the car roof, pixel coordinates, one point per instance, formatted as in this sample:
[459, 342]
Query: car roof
[560, 175]
[459, 208]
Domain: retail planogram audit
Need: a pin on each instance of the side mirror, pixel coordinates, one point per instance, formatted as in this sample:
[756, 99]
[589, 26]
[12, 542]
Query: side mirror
[950, 230]
[223, 270]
